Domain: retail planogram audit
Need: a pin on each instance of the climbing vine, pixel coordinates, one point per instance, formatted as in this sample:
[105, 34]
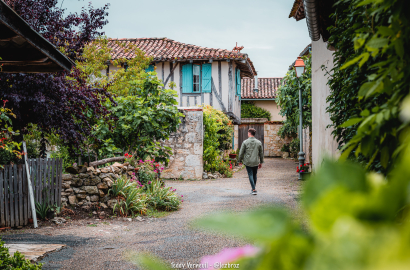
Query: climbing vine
[287, 99]
[370, 80]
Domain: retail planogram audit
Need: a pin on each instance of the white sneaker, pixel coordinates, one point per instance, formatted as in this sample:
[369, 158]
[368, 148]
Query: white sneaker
[254, 192]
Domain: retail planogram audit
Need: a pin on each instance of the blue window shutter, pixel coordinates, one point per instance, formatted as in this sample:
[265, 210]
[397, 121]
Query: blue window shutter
[150, 68]
[207, 78]
[238, 83]
[187, 79]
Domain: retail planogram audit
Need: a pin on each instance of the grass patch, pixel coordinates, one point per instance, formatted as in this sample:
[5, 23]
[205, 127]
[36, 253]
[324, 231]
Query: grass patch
[92, 225]
[157, 214]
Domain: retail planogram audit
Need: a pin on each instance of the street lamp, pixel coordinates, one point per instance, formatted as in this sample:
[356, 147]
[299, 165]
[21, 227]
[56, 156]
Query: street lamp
[299, 70]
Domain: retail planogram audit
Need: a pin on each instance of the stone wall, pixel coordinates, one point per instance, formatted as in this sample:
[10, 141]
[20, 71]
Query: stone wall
[187, 146]
[273, 143]
[90, 186]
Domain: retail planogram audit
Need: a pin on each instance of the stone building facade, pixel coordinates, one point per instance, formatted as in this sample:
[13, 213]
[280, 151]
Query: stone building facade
[187, 145]
[273, 143]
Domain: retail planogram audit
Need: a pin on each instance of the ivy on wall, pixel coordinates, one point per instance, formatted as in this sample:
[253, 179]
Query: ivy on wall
[250, 110]
[370, 79]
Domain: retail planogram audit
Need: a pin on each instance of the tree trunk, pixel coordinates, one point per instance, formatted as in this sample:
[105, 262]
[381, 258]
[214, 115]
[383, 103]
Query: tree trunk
[104, 161]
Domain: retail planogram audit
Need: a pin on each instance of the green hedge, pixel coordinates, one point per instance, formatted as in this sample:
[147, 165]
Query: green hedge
[250, 110]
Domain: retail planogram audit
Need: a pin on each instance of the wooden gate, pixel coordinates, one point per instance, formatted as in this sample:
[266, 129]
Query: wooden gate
[46, 179]
[243, 133]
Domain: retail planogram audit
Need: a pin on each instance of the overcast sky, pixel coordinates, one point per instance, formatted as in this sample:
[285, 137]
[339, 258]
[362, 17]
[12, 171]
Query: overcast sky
[271, 39]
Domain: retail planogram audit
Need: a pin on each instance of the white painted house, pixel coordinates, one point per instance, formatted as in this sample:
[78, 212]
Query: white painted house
[202, 75]
[317, 14]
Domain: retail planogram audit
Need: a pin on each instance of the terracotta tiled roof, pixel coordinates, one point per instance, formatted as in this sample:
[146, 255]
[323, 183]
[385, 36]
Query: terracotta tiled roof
[267, 88]
[164, 49]
[298, 10]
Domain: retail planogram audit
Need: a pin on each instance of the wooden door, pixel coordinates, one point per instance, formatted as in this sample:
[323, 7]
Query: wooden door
[243, 133]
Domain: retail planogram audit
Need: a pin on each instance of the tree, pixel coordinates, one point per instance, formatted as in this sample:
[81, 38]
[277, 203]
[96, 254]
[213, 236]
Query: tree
[61, 103]
[141, 121]
[287, 99]
[7, 144]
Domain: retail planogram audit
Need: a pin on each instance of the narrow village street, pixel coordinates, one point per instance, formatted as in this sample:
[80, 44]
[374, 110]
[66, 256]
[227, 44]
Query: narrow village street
[170, 238]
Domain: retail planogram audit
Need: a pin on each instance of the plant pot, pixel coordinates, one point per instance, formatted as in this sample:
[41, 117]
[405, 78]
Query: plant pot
[50, 214]
[136, 170]
[30, 221]
[233, 156]
[305, 175]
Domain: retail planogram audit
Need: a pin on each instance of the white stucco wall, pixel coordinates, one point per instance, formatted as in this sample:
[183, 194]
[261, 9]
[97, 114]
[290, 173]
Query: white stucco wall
[163, 70]
[272, 107]
[322, 140]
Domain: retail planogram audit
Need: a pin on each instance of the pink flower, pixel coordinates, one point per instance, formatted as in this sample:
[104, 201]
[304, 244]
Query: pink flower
[182, 201]
[140, 161]
[162, 168]
[149, 183]
[229, 255]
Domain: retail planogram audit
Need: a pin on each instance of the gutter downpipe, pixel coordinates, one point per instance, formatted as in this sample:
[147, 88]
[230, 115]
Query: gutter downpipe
[311, 15]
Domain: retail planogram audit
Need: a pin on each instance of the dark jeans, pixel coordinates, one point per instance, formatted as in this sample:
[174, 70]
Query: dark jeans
[252, 173]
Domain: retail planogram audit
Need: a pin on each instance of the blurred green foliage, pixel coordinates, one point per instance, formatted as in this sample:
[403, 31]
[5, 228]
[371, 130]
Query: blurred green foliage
[370, 79]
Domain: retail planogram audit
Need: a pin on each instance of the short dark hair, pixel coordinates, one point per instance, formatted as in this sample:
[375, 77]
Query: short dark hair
[252, 131]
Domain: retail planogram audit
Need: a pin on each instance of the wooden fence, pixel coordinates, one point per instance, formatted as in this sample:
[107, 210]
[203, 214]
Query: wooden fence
[46, 179]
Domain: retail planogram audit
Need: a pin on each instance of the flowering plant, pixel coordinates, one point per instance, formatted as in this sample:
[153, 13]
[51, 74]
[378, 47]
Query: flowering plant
[146, 170]
[303, 168]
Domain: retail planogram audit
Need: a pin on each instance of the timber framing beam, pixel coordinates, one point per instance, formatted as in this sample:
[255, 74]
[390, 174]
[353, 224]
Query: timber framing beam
[22, 49]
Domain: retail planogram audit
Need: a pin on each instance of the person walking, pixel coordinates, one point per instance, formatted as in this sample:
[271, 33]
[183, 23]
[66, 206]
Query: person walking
[251, 154]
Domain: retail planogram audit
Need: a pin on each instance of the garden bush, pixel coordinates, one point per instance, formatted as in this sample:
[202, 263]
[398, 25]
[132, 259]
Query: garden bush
[250, 110]
[162, 198]
[294, 147]
[218, 134]
[17, 261]
[285, 147]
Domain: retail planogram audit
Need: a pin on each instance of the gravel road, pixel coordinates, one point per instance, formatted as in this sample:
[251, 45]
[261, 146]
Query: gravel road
[170, 238]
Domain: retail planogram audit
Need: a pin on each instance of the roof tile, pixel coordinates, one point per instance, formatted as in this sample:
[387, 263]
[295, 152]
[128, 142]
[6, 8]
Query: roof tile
[164, 49]
[267, 88]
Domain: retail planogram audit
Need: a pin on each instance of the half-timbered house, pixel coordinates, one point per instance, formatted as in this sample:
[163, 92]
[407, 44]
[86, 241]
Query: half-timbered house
[202, 75]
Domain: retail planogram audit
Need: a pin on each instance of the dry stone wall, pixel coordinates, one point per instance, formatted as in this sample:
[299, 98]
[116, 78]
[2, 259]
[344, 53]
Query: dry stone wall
[187, 146]
[90, 186]
[273, 143]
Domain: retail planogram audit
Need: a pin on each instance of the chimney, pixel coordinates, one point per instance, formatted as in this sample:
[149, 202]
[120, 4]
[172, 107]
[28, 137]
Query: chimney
[255, 90]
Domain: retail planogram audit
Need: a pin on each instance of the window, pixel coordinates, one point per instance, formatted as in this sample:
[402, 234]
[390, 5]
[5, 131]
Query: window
[238, 83]
[206, 78]
[196, 78]
[196, 73]
[150, 68]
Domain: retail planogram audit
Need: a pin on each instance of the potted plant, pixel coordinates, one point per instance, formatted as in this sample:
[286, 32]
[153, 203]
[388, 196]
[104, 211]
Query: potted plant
[303, 170]
[233, 154]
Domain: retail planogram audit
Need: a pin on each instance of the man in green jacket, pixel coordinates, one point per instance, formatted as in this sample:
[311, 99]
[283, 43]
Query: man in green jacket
[251, 154]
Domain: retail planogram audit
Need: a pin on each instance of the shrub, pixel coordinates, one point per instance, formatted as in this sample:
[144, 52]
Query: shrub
[132, 202]
[218, 134]
[250, 110]
[17, 261]
[42, 210]
[120, 187]
[162, 198]
[294, 147]
[285, 147]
